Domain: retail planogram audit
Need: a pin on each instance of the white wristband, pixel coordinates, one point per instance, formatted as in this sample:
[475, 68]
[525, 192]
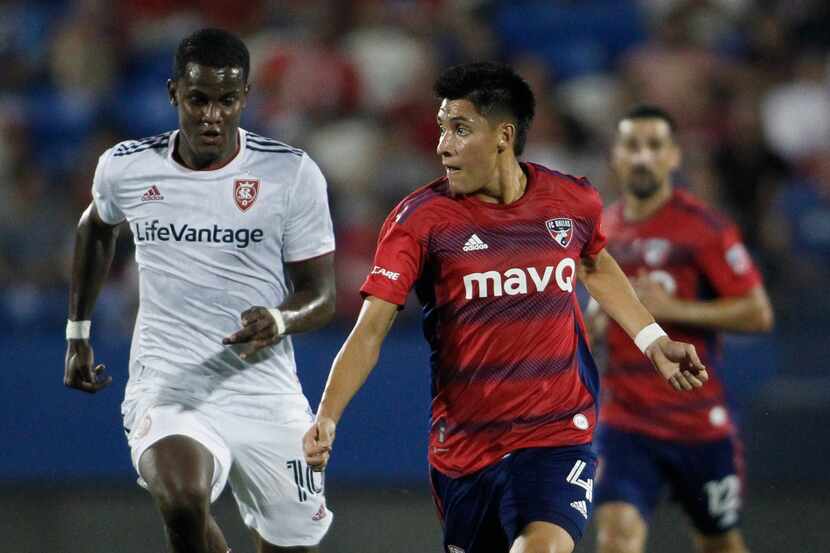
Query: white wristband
[279, 320]
[78, 330]
[648, 335]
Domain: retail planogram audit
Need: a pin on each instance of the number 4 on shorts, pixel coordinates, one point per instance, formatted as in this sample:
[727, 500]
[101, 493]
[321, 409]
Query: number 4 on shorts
[574, 478]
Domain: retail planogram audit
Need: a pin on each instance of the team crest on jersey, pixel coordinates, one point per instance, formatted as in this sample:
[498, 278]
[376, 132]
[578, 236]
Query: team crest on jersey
[656, 251]
[561, 229]
[245, 192]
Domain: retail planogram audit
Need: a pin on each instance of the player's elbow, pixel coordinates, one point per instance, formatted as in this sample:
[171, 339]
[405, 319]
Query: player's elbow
[765, 318]
[761, 317]
[328, 307]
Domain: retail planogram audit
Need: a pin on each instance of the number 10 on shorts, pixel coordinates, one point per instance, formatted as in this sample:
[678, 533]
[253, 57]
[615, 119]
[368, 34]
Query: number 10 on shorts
[574, 478]
[304, 479]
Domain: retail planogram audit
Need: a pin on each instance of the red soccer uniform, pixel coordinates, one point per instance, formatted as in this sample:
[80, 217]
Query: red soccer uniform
[510, 365]
[696, 255]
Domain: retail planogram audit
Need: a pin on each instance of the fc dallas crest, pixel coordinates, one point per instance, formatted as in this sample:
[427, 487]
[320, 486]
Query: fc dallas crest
[561, 229]
[245, 192]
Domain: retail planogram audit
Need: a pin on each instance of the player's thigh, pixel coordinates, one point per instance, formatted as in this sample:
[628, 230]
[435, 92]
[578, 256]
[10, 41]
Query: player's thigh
[468, 507]
[620, 528]
[278, 495]
[729, 542]
[629, 470]
[543, 537]
[177, 454]
[552, 485]
[708, 483]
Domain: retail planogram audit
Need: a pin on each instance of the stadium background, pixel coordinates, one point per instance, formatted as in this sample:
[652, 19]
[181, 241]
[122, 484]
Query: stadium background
[350, 82]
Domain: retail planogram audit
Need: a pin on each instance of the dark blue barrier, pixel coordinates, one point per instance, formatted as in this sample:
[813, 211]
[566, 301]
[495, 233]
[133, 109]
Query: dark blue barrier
[51, 433]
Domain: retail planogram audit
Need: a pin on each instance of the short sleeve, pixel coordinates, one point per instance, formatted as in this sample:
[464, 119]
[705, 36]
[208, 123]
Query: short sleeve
[597, 241]
[727, 264]
[399, 259]
[103, 192]
[308, 229]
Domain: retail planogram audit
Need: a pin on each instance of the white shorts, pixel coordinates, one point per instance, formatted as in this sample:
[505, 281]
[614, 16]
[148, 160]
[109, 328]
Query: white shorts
[278, 495]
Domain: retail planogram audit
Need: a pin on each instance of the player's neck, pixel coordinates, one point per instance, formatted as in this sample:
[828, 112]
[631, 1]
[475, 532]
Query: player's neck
[508, 186]
[186, 157]
[637, 209]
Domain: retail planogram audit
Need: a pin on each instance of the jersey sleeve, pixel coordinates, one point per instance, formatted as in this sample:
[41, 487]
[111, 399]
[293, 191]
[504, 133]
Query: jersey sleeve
[597, 240]
[399, 259]
[727, 264]
[103, 192]
[308, 229]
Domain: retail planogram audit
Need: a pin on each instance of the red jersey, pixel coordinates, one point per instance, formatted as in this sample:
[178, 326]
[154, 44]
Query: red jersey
[695, 254]
[510, 365]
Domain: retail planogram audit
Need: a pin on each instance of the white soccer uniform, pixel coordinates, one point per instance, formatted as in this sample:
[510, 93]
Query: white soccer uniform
[209, 245]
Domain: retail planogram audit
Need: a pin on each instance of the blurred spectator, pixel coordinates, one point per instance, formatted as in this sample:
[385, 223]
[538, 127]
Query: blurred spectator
[797, 236]
[351, 83]
[750, 172]
[796, 112]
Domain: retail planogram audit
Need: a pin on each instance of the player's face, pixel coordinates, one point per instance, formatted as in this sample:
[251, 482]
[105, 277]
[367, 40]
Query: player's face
[209, 101]
[644, 155]
[468, 146]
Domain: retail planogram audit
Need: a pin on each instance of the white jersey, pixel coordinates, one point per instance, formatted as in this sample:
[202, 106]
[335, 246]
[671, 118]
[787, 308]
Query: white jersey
[209, 245]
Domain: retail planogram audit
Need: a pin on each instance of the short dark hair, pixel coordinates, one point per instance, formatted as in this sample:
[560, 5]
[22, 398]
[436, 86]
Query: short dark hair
[649, 111]
[493, 88]
[214, 48]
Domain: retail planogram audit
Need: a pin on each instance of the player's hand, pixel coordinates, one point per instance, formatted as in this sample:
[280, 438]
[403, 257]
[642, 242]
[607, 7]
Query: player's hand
[80, 371]
[317, 443]
[678, 363]
[259, 330]
[655, 297]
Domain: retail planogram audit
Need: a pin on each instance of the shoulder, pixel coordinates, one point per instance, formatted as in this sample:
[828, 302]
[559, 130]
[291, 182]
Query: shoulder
[696, 213]
[552, 176]
[262, 145]
[131, 157]
[419, 206]
[577, 190]
[129, 148]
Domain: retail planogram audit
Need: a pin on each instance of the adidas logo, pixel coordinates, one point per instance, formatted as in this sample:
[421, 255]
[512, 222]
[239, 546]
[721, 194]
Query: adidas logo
[153, 193]
[581, 507]
[474, 243]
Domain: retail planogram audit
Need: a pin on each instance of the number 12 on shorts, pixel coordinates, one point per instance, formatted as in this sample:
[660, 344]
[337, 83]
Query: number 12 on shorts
[574, 478]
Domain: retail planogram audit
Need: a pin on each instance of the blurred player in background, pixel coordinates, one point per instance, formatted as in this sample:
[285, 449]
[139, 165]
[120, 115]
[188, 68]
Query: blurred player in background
[492, 250]
[228, 226]
[691, 271]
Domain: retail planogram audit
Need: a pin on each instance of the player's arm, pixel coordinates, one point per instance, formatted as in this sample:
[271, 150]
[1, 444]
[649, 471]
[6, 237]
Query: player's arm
[309, 306]
[349, 371]
[751, 312]
[677, 362]
[94, 251]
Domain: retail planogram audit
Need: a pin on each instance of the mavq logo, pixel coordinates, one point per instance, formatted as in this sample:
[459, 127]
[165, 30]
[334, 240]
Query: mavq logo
[245, 192]
[515, 280]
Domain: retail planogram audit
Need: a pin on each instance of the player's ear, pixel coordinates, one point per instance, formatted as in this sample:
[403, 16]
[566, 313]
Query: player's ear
[245, 92]
[677, 157]
[171, 91]
[507, 134]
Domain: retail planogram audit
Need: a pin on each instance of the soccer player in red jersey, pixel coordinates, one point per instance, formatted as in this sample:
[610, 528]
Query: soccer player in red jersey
[492, 250]
[692, 273]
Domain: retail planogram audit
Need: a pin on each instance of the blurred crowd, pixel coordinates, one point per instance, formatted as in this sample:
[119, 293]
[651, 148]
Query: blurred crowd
[350, 82]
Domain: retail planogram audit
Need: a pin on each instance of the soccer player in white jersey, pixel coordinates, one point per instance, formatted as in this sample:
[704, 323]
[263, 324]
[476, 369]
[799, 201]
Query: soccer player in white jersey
[234, 246]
